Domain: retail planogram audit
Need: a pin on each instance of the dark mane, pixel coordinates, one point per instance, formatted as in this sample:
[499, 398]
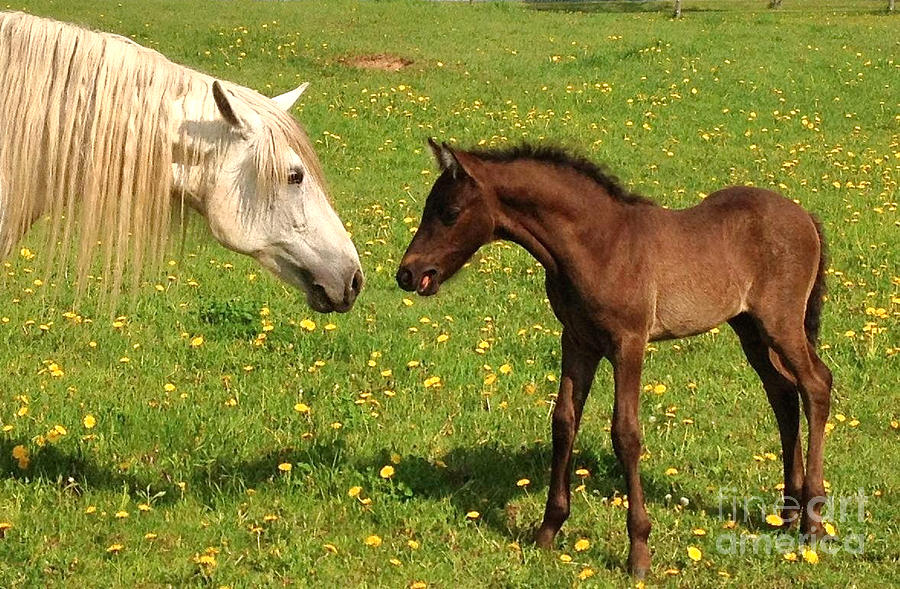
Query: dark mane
[560, 157]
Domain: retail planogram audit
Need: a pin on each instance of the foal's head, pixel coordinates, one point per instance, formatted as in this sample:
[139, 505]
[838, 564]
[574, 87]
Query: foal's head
[457, 220]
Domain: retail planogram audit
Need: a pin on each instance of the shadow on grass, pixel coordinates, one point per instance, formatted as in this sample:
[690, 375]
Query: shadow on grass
[74, 472]
[615, 6]
[481, 478]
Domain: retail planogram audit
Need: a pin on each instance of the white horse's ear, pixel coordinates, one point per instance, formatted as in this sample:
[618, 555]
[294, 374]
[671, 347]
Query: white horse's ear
[235, 112]
[287, 100]
[444, 157]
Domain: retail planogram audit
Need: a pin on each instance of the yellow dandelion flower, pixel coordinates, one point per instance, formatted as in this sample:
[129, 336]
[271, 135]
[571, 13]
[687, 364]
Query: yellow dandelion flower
[115, 548]
[197, 341]
[207, 560]
[330, 548]
[694, 553]
[308, 324]
[122, 514]
[671, 471]
[354, 491]
[413, 545]
[301, 408]
[386, 472]
[523, 483]
[583, 472]
[698, 532]
[505, 369]
[473, 515]
[285, 467]
[659, 389]
[374, 541]
[790, 556]
[89, 421]
[19, 452]
[151, 536]
[144, 507]
[582, 544]
[586, 573]
[774, 520]
[829, 529]
[565, 558]
[810, 556]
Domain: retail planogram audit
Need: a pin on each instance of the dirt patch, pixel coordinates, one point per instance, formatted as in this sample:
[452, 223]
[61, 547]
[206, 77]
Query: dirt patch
[378, 61]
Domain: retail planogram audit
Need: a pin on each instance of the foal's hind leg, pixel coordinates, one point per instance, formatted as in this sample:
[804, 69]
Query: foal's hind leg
[814, 380]
[783, 396]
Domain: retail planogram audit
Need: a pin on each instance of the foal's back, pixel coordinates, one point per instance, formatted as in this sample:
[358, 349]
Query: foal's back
[731, 253]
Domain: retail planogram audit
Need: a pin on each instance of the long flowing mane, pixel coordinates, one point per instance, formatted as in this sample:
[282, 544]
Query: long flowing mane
[89, 133]
[558, 156]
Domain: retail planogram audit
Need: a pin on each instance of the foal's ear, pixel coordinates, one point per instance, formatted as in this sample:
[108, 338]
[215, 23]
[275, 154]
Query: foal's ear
[445, 158]
[233, 110]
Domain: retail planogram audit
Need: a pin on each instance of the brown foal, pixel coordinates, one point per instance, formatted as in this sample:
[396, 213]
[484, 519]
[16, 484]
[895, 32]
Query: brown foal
[621, 272]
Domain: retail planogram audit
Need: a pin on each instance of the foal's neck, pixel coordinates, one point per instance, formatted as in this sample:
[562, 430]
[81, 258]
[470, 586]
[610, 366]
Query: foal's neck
[552, 210]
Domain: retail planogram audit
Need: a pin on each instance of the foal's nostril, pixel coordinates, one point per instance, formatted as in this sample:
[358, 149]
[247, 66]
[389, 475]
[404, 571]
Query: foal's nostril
[405, 278]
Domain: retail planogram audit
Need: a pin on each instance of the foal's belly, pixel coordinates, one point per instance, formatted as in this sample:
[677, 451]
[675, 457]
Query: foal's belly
[690, 313]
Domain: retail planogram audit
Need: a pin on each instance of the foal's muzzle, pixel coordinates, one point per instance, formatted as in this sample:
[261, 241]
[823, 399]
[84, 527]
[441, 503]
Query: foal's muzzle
[421, 278]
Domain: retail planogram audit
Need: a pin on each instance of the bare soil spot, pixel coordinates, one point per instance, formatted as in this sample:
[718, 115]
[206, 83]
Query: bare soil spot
[378, 61]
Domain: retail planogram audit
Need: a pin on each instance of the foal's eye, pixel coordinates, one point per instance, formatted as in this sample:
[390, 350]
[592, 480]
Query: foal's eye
[295, 177]
[450, 215]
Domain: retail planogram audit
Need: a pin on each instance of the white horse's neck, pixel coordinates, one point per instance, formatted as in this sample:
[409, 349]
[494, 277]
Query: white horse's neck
[198, 133]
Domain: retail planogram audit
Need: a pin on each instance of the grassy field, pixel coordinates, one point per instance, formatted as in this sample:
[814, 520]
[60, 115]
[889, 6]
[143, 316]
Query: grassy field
[151, 457]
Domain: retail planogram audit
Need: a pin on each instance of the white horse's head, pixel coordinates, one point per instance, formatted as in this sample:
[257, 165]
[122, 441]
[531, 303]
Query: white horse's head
[263, 194]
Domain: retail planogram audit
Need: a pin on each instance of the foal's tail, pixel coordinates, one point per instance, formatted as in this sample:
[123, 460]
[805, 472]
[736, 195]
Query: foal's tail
[816, 300]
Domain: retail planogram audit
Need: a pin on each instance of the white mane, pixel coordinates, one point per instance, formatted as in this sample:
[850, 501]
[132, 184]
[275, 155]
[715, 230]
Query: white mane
[93, 131]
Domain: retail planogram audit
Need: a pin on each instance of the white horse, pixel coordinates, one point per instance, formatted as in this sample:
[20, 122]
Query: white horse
[104, 136]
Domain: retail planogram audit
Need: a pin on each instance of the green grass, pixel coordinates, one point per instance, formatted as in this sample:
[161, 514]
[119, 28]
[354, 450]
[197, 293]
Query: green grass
[803, 100]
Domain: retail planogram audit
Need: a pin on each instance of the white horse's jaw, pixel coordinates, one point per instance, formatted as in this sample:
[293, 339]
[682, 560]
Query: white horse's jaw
[335, 289]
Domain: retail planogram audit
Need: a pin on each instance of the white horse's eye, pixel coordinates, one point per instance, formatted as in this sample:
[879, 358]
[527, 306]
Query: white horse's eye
[296, 176]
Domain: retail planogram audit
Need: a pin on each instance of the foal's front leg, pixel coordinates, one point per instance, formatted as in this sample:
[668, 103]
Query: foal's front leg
[626, 438]
[578, 368]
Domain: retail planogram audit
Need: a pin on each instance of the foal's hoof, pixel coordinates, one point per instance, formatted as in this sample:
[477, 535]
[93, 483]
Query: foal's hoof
[639, 573]
[639, 563]
[814, 530]
[544, 538]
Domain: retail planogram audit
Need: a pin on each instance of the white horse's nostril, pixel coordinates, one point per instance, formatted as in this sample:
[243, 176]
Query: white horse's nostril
[353, 287]
[356, 283]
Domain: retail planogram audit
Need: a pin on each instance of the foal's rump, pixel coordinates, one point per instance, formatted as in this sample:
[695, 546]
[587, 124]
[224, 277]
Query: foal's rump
[741, 249]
